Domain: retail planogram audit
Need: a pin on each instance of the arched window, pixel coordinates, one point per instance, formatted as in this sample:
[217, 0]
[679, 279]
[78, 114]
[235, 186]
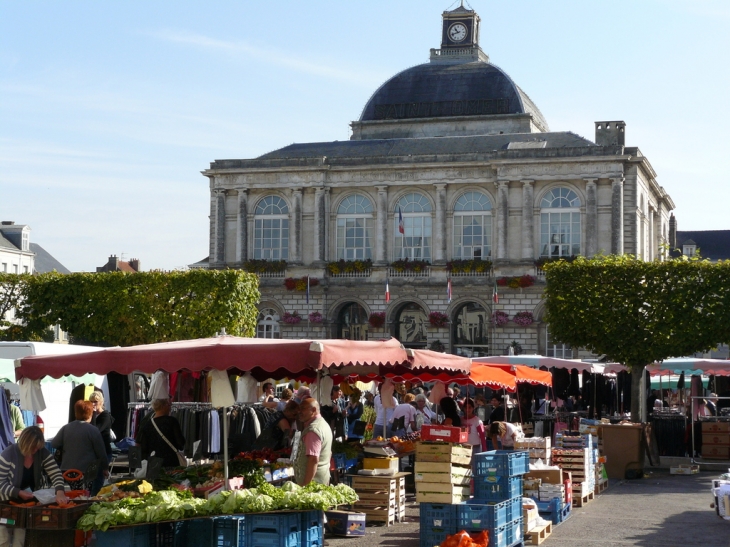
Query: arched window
[271, 229]
[472, 226]
[413, 228]
[470, 331]
[411, 323]
[268, 324]
[560, 230]
[354, 228]
[352, 323]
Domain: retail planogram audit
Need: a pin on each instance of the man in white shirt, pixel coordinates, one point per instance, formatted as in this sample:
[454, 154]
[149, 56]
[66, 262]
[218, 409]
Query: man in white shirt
[383, 416]
[407, 412]
[268, 399]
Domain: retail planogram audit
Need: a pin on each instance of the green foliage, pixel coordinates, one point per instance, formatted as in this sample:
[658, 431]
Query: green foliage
[467, 266]
[125, 309]
[11, 296]
[639, 312]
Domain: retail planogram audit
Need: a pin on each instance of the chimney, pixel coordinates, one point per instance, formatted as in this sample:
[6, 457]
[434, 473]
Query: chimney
[611, 133]
[134, 264]
[672, 233]
[8, 222]
[113, 263]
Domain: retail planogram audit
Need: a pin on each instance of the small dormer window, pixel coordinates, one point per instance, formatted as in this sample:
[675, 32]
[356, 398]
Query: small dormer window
[26, 241]
[689, 250]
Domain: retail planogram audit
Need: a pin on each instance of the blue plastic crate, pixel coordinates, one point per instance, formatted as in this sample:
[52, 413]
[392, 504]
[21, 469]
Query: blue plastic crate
[514, 509]
[514, 532]
[431, 538]
[564, 512]
[193, 533]
[312, 537]
[229, 531]
[438, 515]
[340, 460]
[506, 463]
[351, 463]
[550, 510]
[273, 539]
[277, 522]
[163, 534]
[137, 536]
[479, 516]
[497, 488]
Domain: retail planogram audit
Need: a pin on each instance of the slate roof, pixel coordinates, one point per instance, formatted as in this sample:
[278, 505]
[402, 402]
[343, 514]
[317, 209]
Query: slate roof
[712, 244]
[445, 82]
[45, 263]
[5, 244]
[424, 146]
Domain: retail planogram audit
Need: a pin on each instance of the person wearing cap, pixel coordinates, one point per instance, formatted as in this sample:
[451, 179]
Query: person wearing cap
[312, 462]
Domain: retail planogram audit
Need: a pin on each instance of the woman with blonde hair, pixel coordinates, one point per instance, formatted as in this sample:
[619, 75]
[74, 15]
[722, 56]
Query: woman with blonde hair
[103, 421]
[22, 469]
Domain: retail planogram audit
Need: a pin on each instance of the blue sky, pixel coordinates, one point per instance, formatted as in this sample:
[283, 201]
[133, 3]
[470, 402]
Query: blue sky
[110, 110]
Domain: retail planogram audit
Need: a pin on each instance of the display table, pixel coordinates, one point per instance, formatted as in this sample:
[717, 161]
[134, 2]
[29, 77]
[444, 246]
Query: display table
[382, 497]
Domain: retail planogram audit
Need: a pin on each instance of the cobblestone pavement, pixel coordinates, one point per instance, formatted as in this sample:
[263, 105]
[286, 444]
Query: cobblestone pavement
[660, 510]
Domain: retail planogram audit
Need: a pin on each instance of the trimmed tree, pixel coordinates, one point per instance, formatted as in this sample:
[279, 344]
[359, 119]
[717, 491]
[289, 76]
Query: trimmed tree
[128, 309]
[11, 296]
[636, 312]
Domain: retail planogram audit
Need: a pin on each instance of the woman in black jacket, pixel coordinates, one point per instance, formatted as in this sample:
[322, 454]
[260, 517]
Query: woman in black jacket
[103, 421]
[150, 439]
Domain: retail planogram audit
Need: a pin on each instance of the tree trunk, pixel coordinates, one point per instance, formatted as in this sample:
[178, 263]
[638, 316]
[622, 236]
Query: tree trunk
[637, 394]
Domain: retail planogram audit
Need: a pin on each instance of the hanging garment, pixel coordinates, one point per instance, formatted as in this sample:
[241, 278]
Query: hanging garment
[221, 392]
[7, 435]
[247, 389]
[159, 386]
[31, 396]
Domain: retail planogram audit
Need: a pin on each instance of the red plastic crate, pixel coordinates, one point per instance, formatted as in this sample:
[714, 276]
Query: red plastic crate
[445, 433]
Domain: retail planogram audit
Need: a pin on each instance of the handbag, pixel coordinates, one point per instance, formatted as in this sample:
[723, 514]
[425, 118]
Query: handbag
[181, 458]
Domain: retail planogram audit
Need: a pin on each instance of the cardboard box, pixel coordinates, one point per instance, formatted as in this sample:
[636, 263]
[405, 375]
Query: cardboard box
[715, 427]
[344, 523]
[684, 469]
[380, 463]
[547, 476]
[443, 452]
[715, 438]
[716, 451]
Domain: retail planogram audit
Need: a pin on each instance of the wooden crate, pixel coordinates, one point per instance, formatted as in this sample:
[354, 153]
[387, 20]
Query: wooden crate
[435, 497]
[448, 478]
[537, 535]
[443, 452]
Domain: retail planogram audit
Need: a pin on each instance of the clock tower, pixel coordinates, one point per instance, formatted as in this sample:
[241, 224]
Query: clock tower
[460, 28]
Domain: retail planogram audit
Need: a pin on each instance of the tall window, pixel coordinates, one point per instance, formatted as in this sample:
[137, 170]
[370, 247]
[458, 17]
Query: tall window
[352, 323]
[556, 349]
[268, 324]
[560, 223]
[472, 226]
[413, 227]
[470, 331]
[354, 228]
[271, 229]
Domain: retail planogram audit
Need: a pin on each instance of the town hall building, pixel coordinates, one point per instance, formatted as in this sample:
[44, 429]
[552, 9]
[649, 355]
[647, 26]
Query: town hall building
[451, 194]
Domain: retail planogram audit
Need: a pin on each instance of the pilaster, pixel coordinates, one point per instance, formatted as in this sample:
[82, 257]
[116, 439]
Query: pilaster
[591, 217]
[381, 226]
[617, 215]
[528, 219]
[439, 234]
[242, 226]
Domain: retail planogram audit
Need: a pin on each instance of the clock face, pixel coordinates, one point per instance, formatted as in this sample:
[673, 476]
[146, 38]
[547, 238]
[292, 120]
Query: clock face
[457, 32]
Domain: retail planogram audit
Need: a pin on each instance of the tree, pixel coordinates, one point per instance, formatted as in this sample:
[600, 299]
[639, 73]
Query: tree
[636, 312]
[126, 309]
[11, 294]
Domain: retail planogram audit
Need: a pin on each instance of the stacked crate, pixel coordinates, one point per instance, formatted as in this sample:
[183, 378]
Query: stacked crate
[716, 440]
[442, 472]
[382, 498]
[537, 447]
[497, 496]
[579, 460]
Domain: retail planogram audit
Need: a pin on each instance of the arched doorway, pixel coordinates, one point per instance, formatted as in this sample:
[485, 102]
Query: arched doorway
[352, 322]
[470, 331]
[410, 326]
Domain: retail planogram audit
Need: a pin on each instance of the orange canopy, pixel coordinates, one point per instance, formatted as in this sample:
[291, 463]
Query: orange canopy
[522, 374]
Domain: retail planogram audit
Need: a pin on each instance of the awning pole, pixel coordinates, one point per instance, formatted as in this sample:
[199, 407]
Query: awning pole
[225, 448]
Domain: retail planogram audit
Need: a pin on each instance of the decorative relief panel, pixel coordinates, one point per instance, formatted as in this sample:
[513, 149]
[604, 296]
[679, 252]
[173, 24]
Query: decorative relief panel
[548, 171]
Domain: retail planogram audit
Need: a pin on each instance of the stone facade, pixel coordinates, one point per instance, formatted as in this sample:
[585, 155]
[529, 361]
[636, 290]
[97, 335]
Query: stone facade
[527, 178]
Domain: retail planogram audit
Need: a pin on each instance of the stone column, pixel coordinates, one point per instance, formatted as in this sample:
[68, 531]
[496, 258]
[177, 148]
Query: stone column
[502, 218]
[617, 215]
[381, 226]
[591, 218]
[439, 230]
[321, 216]
[528, 219]
[218, 227]
[295, 227]
[652, 239]
[211, 220]
[242, 228]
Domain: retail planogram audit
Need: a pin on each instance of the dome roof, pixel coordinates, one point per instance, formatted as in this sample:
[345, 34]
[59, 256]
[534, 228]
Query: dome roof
[450, 89]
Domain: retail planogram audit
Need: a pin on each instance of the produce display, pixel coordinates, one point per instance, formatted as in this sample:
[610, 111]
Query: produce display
[178, 504]
[463, 539]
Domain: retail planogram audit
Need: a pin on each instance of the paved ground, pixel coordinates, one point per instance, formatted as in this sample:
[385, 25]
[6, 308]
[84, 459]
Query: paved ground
[661, 510]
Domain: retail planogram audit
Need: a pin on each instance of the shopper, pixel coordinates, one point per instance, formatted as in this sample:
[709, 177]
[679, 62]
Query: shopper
[16, 416]
[497, 414]
[477, 438]
[103, 421]
[504, 432]
[22, 466]
[80, 442]
[276, 436]
[355, 410]
[335, 413]
[268, 399]
[157, 434]
[285, 397]
[314, 451]
[450, 412]
[384, 416]
[404, 417]
[424, 414]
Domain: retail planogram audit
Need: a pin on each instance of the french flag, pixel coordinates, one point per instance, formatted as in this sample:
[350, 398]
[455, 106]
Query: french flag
[401, 226]
[387, 292]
